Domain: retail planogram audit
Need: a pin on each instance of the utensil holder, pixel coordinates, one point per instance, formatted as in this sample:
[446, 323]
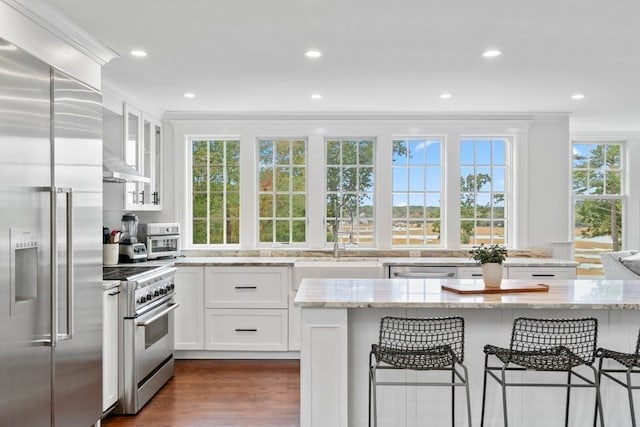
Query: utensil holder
[110, 253]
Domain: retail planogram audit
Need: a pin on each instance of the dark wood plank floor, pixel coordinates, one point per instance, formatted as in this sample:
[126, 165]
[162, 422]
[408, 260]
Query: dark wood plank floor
[223, 393]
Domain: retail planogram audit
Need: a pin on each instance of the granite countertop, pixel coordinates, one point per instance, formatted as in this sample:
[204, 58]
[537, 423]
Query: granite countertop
[427, 261]
[109, 284]
[234, 261]
[466, 262]
[427, 293]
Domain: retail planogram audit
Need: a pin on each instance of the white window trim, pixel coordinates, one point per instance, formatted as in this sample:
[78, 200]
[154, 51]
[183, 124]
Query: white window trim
[376, 179]
[443, 186]
[187, 226]
[510, 198]
[256, 166]
[247, 128]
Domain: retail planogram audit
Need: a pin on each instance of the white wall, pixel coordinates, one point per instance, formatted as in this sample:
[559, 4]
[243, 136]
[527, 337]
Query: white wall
[542, 157]
[549, 183]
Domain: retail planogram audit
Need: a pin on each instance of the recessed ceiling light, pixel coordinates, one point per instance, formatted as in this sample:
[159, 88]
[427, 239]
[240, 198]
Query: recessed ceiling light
[577, 96]
[138, 53]
[491, 53]
[316, 96]
[313, 54]
[189, 95]
[445, 95]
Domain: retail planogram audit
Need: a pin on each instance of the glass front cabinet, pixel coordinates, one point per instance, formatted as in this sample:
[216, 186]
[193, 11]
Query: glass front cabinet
[143, 152]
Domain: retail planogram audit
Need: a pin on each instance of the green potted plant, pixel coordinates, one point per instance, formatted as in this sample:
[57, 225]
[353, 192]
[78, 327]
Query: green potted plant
[490, 257]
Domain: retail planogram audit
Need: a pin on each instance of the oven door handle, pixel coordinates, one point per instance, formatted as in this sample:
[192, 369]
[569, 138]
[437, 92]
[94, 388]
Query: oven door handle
[159, 315]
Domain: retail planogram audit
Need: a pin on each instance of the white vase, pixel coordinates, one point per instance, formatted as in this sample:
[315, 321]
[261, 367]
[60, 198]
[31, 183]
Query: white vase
[492, 274]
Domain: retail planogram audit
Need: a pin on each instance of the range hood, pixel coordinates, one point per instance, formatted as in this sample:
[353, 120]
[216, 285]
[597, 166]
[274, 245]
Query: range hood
[115, 169]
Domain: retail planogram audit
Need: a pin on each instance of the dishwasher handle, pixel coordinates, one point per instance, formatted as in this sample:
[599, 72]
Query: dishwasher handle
[424, 275]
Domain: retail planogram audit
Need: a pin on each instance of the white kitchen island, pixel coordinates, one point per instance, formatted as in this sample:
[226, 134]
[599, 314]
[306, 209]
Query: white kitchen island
[340, 321]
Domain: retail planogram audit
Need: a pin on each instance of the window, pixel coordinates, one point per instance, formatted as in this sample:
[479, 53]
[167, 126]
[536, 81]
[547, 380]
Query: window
[215, 191]
[282, 190]
[350, 189]
[598, 199]
[417, 190]
[483, 191]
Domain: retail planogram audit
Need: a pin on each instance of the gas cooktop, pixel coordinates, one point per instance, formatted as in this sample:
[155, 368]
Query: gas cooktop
[126, 272]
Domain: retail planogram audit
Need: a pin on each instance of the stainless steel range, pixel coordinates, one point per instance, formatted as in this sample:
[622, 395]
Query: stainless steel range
[146, 343]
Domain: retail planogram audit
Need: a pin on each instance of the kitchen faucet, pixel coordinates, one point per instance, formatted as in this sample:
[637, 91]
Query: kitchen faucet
[336, 227]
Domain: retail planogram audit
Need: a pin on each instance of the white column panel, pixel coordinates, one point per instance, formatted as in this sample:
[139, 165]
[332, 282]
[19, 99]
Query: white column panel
[323, 363]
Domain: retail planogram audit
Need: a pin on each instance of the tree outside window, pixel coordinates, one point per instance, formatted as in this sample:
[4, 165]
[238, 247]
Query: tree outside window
[417, 192]
[350, 190]
[282, 191]
[483, 191]
[215, 191]
[598, 201]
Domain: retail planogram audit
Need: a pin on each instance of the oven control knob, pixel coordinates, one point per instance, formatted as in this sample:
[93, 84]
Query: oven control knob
[142, 300]
[163, 291]
[167, 289]
[149, 296]
[156, 293]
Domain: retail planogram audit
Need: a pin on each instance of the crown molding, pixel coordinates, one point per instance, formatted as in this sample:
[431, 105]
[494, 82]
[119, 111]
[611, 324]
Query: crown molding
[52, 20]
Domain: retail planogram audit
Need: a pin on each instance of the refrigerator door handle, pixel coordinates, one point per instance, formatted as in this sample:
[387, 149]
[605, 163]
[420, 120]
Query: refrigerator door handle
[54, 266]
[69, 249]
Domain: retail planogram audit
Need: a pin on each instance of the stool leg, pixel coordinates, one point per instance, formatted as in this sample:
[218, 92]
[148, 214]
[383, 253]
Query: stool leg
[484, 390]
[453, 395]
[503, 376]
[596, 380]
[466, 387]
[629, 391]
[599, 377]
[372, 396]
[566, 406]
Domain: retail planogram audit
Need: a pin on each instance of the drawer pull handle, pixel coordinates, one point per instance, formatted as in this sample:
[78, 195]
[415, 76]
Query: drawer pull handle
[543, 275]
[246, 330]
[246, 287]
[476, 274]
[114, 293]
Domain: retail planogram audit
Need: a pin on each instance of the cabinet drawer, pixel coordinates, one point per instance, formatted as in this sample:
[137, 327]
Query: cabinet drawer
[563, 273]
[238, 329]
[470, 273]
[254, 287]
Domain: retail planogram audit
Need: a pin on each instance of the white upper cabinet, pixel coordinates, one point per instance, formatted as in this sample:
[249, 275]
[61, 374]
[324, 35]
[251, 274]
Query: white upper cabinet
[143, 152]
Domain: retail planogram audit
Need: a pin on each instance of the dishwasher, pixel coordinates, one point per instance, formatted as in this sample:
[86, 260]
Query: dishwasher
[422, 272]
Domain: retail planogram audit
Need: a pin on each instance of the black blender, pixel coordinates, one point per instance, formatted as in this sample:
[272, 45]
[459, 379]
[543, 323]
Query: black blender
[130, 249]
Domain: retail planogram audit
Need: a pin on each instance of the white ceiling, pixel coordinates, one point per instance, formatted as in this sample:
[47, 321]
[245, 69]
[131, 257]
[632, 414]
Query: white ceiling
[379, 55]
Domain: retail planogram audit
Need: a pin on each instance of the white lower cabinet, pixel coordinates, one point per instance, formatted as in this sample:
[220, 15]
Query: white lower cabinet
[246, 308]
[246, 329]
[543, 273]
[232, 308]
[189, 317]
[470, 273]
[110, 319]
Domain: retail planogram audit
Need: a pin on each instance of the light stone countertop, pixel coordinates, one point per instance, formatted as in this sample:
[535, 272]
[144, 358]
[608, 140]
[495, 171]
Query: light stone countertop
[427, 293]
[466, 262]
[427, 261]
[109, 284]
[234, 261]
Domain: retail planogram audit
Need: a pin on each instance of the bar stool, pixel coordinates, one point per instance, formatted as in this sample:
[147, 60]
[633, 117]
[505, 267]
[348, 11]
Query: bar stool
[630, 362]
[551, 345]
[419, 344]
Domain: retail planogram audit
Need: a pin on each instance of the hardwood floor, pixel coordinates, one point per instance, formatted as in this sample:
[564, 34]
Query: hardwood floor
[223, 393]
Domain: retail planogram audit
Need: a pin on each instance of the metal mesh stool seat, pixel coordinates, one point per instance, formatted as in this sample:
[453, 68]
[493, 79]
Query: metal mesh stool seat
[545, 345]
[419, 344]
[630, 361]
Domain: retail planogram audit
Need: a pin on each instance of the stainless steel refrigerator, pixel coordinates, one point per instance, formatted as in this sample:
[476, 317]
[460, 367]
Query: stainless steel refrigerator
[50, 245]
